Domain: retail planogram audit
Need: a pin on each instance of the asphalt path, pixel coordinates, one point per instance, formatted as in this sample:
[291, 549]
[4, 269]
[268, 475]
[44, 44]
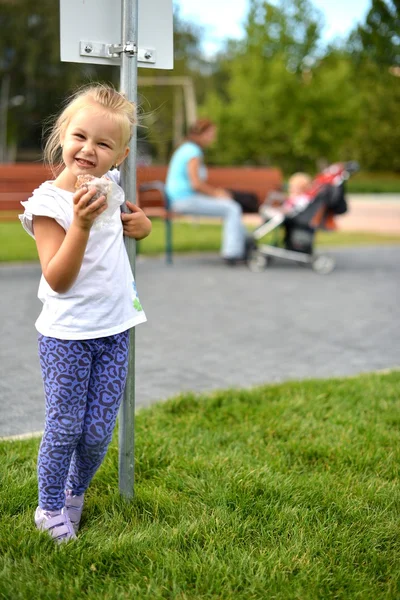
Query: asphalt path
[211, 327]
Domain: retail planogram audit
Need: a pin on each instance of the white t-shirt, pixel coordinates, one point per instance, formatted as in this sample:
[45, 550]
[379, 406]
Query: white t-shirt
[103, 299]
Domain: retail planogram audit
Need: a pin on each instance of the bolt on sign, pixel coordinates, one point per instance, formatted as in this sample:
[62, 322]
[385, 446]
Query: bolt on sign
[90, 31]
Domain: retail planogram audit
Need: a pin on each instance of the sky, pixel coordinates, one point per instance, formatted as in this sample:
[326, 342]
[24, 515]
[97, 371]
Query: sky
[224, 19]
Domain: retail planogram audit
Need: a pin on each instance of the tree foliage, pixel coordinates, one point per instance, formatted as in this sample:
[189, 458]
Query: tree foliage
[29, 47]
[374, 49]
[284, 100]
[278, 95]
[284, 103]
[30, 59]
[379, 36]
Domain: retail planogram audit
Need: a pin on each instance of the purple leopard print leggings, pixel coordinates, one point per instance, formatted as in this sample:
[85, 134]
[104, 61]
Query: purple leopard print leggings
[83, 382]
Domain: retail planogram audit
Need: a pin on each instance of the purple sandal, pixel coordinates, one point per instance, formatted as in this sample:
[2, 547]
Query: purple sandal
[74, 506]
[56, 522]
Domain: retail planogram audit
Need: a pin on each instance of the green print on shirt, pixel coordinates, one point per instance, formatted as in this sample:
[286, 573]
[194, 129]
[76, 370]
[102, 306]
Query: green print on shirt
[136, 302]
[137, 305]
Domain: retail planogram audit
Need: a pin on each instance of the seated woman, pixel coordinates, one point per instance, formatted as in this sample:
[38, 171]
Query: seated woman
[189, 193]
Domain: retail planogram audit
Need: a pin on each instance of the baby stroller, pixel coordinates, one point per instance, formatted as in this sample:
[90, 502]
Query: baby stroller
[326, 199]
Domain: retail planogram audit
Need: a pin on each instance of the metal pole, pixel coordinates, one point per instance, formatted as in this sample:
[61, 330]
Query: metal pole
[128, 86]
[4, 100]
[178, 117]
[190, 102]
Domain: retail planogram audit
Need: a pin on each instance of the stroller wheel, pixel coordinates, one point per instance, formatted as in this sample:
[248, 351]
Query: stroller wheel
[256, 261]
[323, 264]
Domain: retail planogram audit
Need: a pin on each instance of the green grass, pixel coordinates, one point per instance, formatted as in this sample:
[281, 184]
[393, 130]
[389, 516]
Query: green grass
[374, 183]
[16, 245]
[364, 182]
[281, 492]
[354, 238]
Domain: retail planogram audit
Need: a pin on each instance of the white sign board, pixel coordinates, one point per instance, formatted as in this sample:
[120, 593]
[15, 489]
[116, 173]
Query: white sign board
[89, 27]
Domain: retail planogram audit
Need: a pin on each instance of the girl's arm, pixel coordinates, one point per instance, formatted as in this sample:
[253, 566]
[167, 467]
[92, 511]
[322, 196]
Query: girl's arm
[201, 186]
[61, 253]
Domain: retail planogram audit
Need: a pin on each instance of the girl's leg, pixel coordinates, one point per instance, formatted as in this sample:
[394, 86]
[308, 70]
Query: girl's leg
[234, 233]
[106, 388]
[66, 367]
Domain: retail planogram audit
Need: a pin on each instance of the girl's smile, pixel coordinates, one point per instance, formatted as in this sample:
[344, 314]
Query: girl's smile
[85, 164]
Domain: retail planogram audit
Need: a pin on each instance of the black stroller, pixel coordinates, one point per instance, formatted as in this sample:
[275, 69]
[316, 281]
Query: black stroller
[326, 199]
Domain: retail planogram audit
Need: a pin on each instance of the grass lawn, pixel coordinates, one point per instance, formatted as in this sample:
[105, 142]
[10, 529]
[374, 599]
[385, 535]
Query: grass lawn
[374, 183]
[282, 492]
[16, 245]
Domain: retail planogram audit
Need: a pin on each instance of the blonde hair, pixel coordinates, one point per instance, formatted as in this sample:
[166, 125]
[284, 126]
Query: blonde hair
[92, 95]
[298, 183]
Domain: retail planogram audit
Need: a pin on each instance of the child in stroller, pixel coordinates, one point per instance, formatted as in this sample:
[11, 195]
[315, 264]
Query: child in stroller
[312, 207]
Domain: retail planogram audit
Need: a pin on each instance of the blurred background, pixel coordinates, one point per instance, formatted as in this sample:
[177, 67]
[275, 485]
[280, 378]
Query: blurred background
[290, 84]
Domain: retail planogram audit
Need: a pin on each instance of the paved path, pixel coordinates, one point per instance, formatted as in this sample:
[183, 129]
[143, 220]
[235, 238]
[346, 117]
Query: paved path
[376, 213]
[210, 327]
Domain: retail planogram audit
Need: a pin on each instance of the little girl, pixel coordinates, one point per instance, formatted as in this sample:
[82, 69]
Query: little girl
[89, 298]
[298, 197]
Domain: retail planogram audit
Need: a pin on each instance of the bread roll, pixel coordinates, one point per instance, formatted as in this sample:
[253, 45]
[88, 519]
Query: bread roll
[101, 184]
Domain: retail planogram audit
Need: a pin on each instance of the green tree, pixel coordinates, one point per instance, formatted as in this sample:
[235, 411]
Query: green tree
[375, 49]
[379, 37]
[29, 47]
[376, 138]
[30, 61]
[283, 103]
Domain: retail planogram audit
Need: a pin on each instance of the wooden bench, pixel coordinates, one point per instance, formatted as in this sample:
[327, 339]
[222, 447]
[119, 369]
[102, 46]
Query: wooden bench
[152, 199]
[258, 180]
[17, 181]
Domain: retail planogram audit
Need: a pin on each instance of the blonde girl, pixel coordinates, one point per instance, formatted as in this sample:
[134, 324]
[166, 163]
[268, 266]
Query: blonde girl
[89, 298]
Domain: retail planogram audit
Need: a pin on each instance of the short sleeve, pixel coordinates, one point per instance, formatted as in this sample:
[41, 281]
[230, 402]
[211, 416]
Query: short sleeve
[115, 176]
[190, 151]
[43, 204]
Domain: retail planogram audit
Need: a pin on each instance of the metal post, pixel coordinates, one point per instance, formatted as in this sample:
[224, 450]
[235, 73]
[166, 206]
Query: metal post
[4, 100]
[129, 88]
[178, 117]
[190, 102]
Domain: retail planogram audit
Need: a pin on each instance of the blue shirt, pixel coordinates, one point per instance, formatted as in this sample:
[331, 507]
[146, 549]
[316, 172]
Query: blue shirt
[178, 185]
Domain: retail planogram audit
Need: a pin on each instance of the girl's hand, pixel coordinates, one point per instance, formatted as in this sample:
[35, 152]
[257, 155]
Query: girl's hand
[135, 224]
[85, 211]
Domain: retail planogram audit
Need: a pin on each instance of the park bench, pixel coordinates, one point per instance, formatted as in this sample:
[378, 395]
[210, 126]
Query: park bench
[153, 200]
[18, 180]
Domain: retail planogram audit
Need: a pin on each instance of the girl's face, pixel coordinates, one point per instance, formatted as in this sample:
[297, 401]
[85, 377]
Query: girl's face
[299, 185]
[91, 143]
